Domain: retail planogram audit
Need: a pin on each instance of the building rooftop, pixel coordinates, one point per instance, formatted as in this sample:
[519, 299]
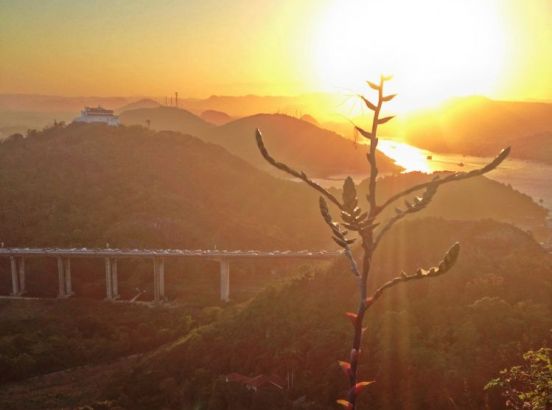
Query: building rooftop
[97, 111]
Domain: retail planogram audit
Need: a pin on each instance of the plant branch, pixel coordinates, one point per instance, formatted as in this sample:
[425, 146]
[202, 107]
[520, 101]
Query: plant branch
[297, 174]
[418, 204]
[373, 145]
[364, 224]
[444, 266]
[339, 236]
[457, 176]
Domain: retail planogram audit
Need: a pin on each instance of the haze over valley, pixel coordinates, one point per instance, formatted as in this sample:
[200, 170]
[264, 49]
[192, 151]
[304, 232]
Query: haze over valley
[276, 205]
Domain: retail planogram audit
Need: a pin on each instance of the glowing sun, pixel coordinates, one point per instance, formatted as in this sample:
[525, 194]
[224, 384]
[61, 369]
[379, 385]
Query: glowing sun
[434, 48]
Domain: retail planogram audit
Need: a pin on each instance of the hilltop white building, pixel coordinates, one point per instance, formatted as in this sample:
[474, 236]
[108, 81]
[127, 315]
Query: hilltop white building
[98, 114]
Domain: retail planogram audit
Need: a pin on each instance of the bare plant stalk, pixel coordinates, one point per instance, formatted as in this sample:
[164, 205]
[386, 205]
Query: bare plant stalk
[370, 232]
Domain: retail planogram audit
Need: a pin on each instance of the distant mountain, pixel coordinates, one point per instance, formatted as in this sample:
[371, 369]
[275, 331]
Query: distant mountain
[88, 184]
[235, 106]
[143, 103]
[480, 126]
[299, 143]
[12, 122]
[535, 146]
[166, 119]
[309, 118]
[215, 117]
[323, 104]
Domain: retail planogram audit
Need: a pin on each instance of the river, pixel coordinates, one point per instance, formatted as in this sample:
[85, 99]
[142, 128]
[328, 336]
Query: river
[530, 177]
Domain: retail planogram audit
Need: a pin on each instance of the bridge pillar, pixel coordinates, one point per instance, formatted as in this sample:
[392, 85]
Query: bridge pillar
[65, 288]
[22, 284]
[224, 280]
[158, 280]
[61, 278]
[15, 281]
[162, 278]
[111, 279]
[67, 277]
[108, 281]
[114, 279]
[155, 281]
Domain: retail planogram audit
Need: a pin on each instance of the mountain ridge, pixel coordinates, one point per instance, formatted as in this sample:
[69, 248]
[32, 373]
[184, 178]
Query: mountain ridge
[298, 143]
[143, 188]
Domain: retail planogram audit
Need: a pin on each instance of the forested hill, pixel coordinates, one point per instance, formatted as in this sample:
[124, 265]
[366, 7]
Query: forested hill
[429, 343]
[315, 150]
[476, 198]
[298, 143]
[88, 185]
[129, 186]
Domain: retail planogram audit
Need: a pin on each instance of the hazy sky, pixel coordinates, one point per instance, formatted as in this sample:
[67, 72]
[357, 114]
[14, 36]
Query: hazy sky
[139, 47]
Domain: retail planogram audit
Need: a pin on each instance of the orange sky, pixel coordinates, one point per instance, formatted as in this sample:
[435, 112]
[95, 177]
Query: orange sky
[435, 48]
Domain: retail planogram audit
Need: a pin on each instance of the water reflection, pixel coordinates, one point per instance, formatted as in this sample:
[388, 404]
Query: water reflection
[529, 177]
[407, 156]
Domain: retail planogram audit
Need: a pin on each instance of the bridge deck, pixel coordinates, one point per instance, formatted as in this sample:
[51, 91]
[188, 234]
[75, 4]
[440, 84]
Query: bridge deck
[147, 253]
[17, 257]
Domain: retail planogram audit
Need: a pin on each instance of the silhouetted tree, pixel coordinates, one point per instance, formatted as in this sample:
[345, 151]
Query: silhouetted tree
[15, 137]
[367, 227]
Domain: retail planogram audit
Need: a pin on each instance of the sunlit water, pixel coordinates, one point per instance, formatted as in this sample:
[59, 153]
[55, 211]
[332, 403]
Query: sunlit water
[530, 177]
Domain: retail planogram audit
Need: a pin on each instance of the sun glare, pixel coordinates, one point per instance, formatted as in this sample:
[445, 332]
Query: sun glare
[407, 156]
[435, 49]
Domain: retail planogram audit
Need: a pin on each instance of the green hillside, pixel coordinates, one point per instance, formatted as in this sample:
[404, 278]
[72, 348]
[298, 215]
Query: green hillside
[146, 188]
[86, 185]
[298, 143]
[39, 337]
[429, 344]
[472, 199]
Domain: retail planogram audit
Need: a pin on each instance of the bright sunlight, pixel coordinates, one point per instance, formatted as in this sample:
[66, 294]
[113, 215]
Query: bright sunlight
[434, 49]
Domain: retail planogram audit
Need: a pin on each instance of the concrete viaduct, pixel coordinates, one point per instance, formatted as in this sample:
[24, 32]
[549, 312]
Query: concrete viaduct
[17, 257]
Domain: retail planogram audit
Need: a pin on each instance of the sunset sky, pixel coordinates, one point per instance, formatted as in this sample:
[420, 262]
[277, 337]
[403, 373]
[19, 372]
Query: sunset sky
[434, 48]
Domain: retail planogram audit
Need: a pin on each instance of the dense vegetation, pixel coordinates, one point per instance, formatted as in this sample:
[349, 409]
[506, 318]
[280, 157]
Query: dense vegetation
[528, 385]
[433, 345]
[146, 188]
[88, 185]
[363, 222]
[491, 199]
[38, 337]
